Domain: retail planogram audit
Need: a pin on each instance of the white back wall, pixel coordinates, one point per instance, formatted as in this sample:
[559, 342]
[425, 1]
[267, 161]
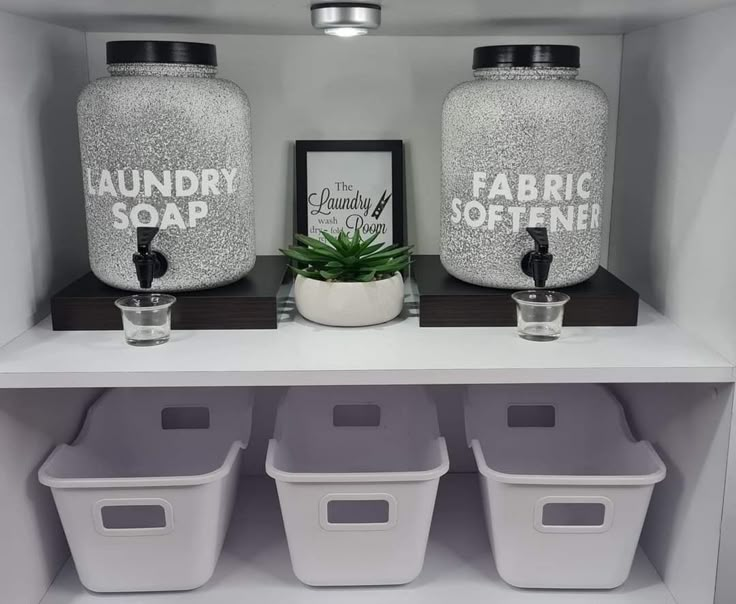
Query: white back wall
[674, 209]
[42, 234]
[382, 87]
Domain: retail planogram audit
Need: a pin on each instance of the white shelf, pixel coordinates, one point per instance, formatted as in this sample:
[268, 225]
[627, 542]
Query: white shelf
[255, 565]
[400, 352]
[404, 17]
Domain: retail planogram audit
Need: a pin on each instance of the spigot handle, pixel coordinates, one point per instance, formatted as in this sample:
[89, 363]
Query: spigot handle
[149, 265]
[540, 237]
[144, 236]
[536, 263]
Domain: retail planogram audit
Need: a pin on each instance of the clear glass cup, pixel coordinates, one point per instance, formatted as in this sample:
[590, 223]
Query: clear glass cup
[146, 318]
[539, 314]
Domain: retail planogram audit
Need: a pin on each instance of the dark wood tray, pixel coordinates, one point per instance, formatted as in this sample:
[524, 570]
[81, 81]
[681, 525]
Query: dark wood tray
[88, 304]
[448, 302]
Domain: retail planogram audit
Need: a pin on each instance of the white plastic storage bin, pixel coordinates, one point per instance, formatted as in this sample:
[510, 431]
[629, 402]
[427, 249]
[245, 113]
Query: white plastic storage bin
[146, 491]
[565, 486]
[357, 471]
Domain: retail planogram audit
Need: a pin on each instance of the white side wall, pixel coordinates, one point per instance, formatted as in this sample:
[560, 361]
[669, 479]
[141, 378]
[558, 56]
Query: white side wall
[674, 211]
[33, 547]
[42, 246]
[304, 87]
[674, 208]
[42, 235]
[681, 534]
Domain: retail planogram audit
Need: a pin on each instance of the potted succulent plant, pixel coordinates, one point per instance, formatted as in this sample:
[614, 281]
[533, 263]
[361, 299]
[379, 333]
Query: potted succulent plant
[348, 281]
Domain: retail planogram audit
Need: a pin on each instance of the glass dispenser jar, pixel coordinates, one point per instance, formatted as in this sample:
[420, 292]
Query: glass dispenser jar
[523, 152]
[166, 160]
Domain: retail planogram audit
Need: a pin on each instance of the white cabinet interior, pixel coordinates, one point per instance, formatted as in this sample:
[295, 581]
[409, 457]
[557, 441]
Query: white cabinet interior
[667, 69]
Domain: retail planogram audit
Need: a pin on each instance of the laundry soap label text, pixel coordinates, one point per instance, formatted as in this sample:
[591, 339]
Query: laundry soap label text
[189, 191]
[489, 208]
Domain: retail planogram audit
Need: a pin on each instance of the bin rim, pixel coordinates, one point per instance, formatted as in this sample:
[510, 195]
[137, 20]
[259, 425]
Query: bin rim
[55, 482]
[571, 480]
[358, 477]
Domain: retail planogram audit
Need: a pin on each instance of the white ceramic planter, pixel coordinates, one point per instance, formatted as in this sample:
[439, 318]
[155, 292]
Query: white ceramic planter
[349, 304]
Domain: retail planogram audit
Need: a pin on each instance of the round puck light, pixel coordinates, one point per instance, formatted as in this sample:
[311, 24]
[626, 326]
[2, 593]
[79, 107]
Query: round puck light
[346, 19]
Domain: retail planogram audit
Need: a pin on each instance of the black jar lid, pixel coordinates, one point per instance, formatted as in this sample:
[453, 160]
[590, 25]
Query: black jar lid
[159, 51]
[526, 55]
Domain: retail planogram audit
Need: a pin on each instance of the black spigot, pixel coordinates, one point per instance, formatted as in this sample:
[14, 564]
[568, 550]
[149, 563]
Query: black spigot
[536, 263]
[149, 265]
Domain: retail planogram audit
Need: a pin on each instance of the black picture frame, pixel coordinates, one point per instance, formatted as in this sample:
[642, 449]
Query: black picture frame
[395, 147]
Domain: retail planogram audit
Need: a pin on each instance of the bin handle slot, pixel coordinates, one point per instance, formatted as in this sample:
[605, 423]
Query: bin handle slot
[531, 416]
[366, 415]
[185, 418]
[570, 514]
[133, 517]
[357, 512]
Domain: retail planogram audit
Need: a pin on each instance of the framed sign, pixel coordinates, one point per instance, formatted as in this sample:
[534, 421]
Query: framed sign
[348, 185]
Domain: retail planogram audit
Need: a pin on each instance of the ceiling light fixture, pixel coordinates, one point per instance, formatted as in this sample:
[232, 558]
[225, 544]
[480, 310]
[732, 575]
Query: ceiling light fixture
[346, 19]
[346, 32]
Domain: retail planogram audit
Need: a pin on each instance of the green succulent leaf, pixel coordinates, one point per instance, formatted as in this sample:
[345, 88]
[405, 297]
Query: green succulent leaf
[329, 276]
[334, 242]
[344, 240]
[324, 255]
[372, 248]
[311, 242]
[370, 276]
[389, 253]
[363, 247]
[346, 257]
[297, 254]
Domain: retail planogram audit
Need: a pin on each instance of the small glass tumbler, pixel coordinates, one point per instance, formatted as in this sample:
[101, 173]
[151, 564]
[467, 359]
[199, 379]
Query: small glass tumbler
[146, 318]
[539, 314]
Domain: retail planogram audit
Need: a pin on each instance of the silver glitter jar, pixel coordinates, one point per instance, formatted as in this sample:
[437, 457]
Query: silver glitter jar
[166, 144]
[523, 146]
